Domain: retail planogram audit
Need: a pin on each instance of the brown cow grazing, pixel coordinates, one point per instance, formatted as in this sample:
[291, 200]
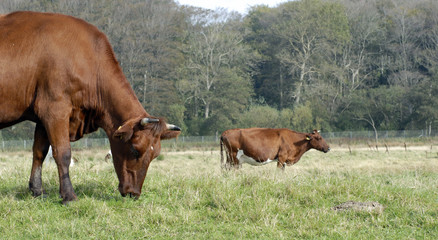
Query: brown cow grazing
[259, 146]
[61, 73]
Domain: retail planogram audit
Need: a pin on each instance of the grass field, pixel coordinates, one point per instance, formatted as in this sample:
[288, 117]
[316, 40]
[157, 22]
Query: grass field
[187, 196]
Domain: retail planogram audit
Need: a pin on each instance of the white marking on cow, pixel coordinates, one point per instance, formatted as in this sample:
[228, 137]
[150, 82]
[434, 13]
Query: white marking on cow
[108, 156]
[246, 159]
[50, 159]
[152, 148]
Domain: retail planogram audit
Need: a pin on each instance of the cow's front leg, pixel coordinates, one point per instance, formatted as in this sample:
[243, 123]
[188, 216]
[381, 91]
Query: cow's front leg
[62, 155]
[282, 159]
[58, 133]
[281, 165]
[40, 149]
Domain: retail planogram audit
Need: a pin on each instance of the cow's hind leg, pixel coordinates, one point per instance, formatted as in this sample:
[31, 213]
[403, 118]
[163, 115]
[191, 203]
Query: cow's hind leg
[234, 162]
[40, 148]
[229, 154]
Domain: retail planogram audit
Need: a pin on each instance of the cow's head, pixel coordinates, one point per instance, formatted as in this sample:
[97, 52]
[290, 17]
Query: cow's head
[134, 145]
[317, 142]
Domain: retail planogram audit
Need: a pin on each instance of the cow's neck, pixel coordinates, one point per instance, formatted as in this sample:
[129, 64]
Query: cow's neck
[120, 104]
[304, 146]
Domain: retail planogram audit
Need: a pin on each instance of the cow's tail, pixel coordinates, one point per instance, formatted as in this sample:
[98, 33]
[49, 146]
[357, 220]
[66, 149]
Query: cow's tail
[225, 147]
[222, 154]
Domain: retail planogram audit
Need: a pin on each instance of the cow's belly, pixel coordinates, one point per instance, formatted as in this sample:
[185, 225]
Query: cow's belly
[246, 159]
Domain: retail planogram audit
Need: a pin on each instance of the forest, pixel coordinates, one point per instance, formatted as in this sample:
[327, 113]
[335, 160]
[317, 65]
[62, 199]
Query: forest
[333, 65]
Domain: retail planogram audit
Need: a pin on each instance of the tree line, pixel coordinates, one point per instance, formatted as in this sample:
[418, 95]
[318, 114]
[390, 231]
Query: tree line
[328, 64]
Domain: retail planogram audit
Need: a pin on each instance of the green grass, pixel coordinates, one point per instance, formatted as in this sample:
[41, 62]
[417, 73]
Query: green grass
[187, 196]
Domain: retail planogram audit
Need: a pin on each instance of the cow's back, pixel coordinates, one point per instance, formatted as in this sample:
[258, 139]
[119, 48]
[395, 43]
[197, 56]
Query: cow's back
[46, 58]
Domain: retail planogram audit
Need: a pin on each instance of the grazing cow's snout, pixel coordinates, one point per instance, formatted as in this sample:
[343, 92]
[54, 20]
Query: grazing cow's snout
[125, 190]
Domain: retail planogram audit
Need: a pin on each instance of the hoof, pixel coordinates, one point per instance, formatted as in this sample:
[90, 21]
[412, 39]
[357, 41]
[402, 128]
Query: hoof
[38, 192]
[67, 199]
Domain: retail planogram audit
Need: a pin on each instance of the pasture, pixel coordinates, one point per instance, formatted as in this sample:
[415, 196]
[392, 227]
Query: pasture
[187, 196]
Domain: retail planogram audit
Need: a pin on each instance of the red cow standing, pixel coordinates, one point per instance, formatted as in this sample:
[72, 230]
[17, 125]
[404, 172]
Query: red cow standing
[259, 146]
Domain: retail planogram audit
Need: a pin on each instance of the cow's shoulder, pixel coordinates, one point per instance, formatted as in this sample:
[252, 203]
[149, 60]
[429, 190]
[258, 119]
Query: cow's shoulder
[291, 137]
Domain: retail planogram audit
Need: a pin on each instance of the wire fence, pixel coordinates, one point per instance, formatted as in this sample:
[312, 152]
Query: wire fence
[346, 137]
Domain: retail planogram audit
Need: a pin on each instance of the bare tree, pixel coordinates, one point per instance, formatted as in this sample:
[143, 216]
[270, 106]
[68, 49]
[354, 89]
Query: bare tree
[407, 24]
[366, 35]
[214, 47]
[310, 31]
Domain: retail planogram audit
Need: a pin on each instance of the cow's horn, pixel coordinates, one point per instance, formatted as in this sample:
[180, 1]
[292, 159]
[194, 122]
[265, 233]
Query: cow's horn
[173, 127]
[145, 121]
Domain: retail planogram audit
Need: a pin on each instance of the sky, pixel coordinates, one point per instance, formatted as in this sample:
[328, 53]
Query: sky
[241, 6]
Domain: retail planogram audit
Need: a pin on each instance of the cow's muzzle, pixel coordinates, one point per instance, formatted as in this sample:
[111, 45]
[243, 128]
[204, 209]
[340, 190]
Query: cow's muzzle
[132, 192]
[135, 196]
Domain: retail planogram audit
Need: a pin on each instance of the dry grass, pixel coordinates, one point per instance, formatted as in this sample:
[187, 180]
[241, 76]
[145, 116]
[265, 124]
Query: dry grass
[187, 196]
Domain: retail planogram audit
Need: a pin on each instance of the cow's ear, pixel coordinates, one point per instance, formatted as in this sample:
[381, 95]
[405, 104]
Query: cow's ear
[169, 134]
[308, 137]
[124, 132]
